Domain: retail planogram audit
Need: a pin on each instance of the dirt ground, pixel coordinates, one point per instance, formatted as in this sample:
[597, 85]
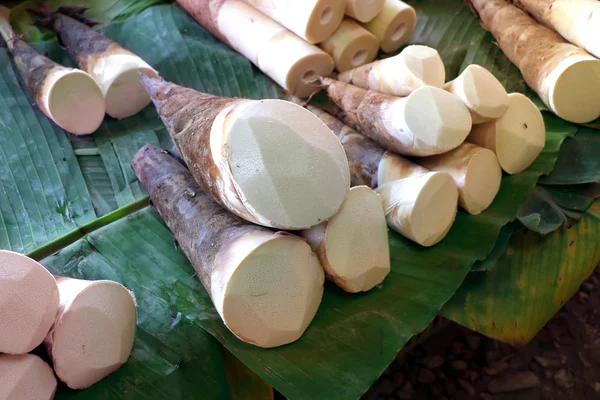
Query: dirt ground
[561, 363]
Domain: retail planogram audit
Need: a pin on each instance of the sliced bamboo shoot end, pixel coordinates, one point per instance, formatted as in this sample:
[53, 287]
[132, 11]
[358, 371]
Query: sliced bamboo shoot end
[436, 118]
[75, 101]
[302, 78]
[324, 20]
[353, 248]
[93, 335]
[290, 169]
[351, 46]
[517, 138]
[421, 208]
[126, 96]
[575, 96]
[481, 92]
[424, 65]
[28, 303]
[393, 25]
[26, 377]
[364, 10]
[273, 294]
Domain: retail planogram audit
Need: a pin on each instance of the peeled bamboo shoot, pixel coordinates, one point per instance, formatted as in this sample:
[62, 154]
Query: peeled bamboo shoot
[265, 285]
[270, 162]
[351, 46]
[566, 77]
[517, 138]
[393, 25]
[26, 377]
[28, 303]
[364, 10]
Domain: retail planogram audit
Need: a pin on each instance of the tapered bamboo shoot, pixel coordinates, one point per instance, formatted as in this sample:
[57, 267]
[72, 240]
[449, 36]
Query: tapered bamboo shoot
[26, 377]
[94, 330]
[265, 285]
[351, 46]
[393, 25]
[517, 138]
[364, 10]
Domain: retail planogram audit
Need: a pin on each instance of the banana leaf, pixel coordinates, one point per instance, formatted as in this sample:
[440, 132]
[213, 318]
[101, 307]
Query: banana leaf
[352, 338]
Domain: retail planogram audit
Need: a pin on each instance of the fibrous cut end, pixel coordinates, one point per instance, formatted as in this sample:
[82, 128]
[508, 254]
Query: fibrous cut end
[288, 167]
[29, 302]
[74, 101]
[93, 336]
[421, 208]
[26, 377]
[355, 249]
[273, 293]
[351, 46]
[393, 25]
[302, 79]
[126, 96]
[324, 20]
[424, 66]
[481, 92]
[575, 95]
[518, 137]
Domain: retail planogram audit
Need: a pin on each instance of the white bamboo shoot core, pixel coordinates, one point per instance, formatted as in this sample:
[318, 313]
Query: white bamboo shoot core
[364, 10]
[26, 377]
[421, 208]
[284, 57]
[94, 331]
[481, 92]
[517, 138]
[353, 244]
[475, 171]
[351, 46]
[312, 20]
[393, 25]
[28, 303]
[416, 66]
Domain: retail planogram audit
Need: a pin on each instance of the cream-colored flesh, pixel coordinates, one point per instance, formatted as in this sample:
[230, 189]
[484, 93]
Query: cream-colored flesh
[393, 167]
[26, 377]
[415, 67]
[312, 20]
[94, 331]
[288, 168]
[267, 289]
[481, 92]
[353, 246]
[351, 46]
[28, 303]
[517, 138]
[574, 89]
[421, 208]
[475, 171]
[393, 25]
[73, 100]
[429, 121]
[364, 10]
[291, 62]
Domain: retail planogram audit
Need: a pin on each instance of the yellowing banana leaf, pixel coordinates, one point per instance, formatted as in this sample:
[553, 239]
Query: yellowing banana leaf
[530, 283]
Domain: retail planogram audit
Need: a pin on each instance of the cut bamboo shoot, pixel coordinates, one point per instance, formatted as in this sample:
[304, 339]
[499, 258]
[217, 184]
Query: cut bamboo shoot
[372, 165]
[566, 77]
[353, 244]
[114, 68]
[364, 10]
[482, 93]
[94, 331]
[28, 303]
[475, 171]
[429, 121]
[351, 46]
[312, 20]
[291, 62]
[578, 21]
[69, 97]
[415, 67]
[270, 162]
[393, 25]
[265, 285]
[517, 138]
[26, 377]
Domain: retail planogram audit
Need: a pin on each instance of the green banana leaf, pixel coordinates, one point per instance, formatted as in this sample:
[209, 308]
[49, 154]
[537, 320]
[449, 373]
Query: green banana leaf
[530, 283]
[78, 196]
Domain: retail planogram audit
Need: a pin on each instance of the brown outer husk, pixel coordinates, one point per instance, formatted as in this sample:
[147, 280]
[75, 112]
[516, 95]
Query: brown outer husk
[363, 109]
[364, 155]
[206, 12]
[202, 228]
[533, 48]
